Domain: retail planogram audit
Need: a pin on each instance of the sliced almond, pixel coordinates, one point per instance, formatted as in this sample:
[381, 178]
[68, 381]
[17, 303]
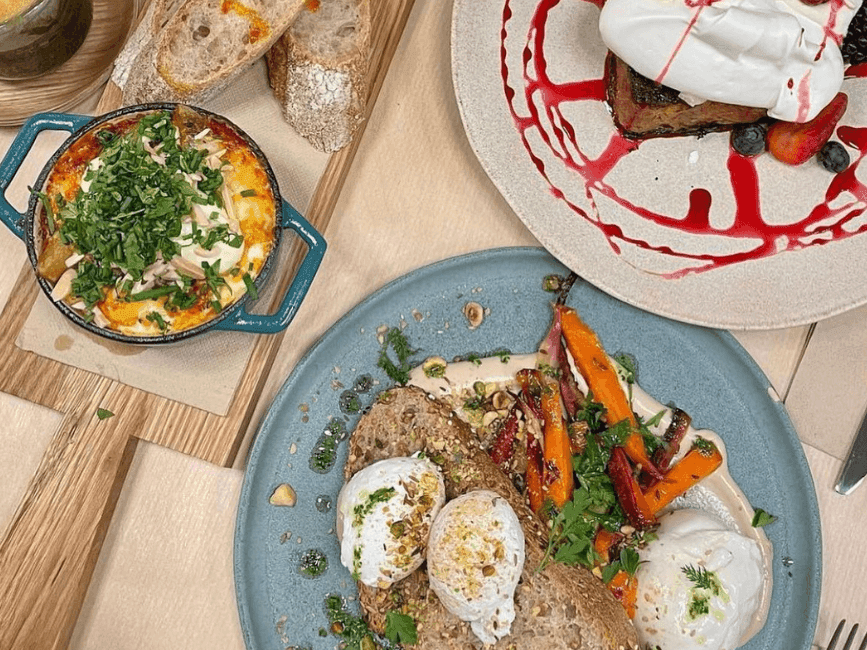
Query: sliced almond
[63, 286]
[72, 260]
[193, 270]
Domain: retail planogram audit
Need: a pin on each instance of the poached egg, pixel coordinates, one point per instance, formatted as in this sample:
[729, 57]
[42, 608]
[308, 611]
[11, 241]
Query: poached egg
[475, 559]
[384, 514]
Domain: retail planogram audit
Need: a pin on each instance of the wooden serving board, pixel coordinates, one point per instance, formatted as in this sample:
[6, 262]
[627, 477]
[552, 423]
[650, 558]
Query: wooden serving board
[52, 543]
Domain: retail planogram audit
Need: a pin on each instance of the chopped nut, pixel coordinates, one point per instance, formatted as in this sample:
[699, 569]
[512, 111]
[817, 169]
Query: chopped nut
[283, 495]
[474, 314]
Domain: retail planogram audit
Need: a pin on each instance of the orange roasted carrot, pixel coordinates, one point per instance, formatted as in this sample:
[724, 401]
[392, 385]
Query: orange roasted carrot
[604, 383]
[625, 589]
[700, 461]
[604, 541]
[557, 450]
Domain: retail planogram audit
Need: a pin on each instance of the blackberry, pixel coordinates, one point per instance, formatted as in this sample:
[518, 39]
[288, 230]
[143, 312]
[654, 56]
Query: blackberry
[854, 46]
[833, 157]
[749, 139]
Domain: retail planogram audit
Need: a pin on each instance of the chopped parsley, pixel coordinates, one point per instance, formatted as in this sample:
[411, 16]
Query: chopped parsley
[504, 355]
[400, 628]
[762, 518]
[381, 495]
[103, 414]
[131, 216]
[251, 288]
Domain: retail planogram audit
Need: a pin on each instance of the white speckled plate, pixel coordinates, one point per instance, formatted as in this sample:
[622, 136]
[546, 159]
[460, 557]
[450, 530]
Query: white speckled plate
[678, 226]
[703, 371]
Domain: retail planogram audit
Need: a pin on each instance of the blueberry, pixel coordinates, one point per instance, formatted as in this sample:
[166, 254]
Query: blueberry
[833, 157]
[749, 139]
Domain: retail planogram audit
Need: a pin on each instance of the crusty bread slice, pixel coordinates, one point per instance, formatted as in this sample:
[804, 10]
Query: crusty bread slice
[198, 47]
[318, 70]
[558, 608]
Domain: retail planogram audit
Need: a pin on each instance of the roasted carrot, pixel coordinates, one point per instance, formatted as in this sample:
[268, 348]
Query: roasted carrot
[629, 494]
[625, 589]
[603, 543]
[604, 383]
[700, 461]
[533, 476]
[503, 447]
[557, 450]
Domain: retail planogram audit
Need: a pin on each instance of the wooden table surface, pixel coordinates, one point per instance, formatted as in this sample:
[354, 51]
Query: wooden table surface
[415, 194]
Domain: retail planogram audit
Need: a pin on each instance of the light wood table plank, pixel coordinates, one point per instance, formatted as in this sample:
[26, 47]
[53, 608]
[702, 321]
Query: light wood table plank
[415, 194]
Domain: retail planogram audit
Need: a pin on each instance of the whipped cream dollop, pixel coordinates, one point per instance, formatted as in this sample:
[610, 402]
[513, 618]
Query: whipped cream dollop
[782, 55]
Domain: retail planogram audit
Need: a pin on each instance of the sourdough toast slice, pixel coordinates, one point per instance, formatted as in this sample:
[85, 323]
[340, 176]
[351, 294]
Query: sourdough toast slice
[318, 71]
[559, 607]
[643, 109]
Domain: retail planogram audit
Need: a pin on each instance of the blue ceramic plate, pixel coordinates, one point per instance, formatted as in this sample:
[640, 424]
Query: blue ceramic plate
[703, 371]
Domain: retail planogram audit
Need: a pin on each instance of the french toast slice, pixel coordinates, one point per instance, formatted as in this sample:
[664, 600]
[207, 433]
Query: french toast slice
[644, 109]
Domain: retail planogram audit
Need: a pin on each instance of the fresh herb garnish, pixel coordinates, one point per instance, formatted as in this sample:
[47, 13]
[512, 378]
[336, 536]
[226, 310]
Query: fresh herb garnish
[570, 539]
[251, 288]
[762, 518]
[103, 414]
[381, 495]
[156, 317]
[352, 629]
[248, 193]
[400, 628]
[49, 211]
[131, 215]
[504, 355]
[397, 372]
[702, 578]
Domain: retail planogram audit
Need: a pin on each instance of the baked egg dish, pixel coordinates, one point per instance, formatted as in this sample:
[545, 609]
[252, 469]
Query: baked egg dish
[155, 222]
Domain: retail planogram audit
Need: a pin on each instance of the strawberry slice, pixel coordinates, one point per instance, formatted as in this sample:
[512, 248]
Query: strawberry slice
[794, 143]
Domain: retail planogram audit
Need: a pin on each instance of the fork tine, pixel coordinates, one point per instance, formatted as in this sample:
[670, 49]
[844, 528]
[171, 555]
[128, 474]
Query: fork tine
[863, 645]
[851, 637]
[833, 642]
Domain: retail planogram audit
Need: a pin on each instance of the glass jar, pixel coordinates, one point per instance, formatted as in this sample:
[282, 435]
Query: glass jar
[38, 36]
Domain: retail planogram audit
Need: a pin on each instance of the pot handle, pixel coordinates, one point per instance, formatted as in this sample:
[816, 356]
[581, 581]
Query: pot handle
[243, 321]
[21, 146]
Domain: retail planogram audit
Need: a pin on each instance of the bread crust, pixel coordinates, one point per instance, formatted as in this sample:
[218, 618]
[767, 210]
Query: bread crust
[320, 76]
[197, 47]
[561, 607]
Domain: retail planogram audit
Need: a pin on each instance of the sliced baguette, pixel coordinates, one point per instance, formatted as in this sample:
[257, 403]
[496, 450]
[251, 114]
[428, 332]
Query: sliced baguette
[198, 47]
[318, 70]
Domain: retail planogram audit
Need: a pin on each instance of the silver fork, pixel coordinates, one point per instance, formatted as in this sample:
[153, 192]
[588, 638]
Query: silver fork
[849, 639]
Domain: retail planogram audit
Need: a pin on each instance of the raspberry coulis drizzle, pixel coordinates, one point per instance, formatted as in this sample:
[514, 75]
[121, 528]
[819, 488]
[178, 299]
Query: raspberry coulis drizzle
[544, 98]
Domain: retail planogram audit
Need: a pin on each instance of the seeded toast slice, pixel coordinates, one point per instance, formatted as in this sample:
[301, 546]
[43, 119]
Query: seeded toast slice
[558, 608]
[643, 109]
